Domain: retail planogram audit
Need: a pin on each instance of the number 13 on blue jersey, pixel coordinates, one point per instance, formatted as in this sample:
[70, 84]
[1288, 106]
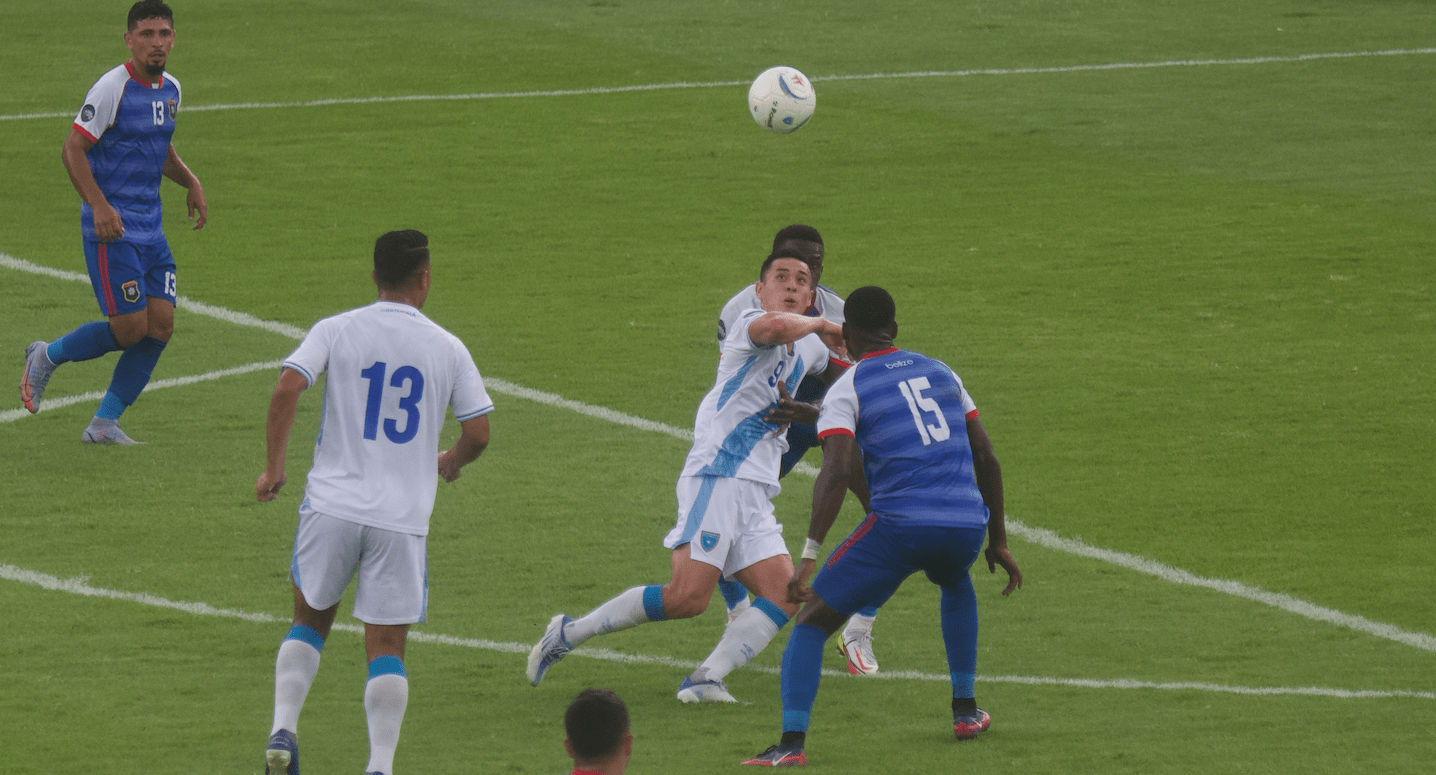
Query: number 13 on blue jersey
[409, 403]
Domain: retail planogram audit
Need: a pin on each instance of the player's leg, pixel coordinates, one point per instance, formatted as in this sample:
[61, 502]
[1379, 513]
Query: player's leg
[391, 594]
[735, 597]
[144, 336]
[950, 571]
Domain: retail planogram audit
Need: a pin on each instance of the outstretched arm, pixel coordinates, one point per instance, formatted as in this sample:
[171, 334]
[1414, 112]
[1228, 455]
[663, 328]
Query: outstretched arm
[775, 328]
[282, 407]
[989, 483]
[472, 441]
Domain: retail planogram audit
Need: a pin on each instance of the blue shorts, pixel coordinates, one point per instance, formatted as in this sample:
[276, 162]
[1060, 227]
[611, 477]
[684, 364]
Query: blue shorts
[124, 273]
[881, 553]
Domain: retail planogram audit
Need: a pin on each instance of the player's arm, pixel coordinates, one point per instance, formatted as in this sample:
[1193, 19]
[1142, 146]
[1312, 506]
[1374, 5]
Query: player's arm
[840, 451]
[989, 483]
[473, 440]
[282, 407]
[176, 170]
[108, 226]
[775, 328]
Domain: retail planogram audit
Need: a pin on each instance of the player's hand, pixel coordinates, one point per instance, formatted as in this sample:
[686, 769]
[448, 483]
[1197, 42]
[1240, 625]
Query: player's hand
[108, 226]
[998, 555]
[194, 201]
[798, 589]
[447, 469]
[268, 486]
[832, 336]
[790, 411]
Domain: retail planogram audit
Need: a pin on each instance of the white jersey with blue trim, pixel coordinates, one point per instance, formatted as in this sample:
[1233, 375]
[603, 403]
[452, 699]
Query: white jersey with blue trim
[908, 414]
[730, 436]
[826, 303]
[392, 374]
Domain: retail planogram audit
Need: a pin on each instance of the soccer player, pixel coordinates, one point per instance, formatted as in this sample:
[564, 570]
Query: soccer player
[116, 153]
[856, 643]
[725, 525]
[367, 502]
[935, 488]
[598, 738]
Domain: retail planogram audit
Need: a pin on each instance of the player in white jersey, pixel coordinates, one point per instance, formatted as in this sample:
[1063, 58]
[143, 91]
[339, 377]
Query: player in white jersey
[801, 413]
[726, 527]
[392, 375]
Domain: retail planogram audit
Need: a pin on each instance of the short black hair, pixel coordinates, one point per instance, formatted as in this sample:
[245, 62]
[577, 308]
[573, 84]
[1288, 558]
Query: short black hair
[777, 254]
[596, 722]
[797, 232]
[149, 9]
[870, 309]
[398, 256]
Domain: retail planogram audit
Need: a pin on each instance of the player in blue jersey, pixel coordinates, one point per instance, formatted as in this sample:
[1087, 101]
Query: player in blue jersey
[800, 412]
[116, 153]
[725, 525]
[935, 489]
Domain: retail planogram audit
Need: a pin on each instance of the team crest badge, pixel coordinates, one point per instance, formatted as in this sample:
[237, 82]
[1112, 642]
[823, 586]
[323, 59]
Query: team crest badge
[708, 541]
[87, 112]
[131, 291]
[173, 106]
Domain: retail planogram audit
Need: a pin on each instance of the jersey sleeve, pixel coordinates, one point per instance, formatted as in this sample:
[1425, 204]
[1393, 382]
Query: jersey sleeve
[728, 319]
[470, 399]
[311, 358]
[102, 104]
[969, 409]
[839, 412]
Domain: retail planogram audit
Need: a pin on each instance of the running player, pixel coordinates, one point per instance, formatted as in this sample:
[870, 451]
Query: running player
[726, 527]
[116, 153]
[367, 502]
[936, 487]
[856, 643]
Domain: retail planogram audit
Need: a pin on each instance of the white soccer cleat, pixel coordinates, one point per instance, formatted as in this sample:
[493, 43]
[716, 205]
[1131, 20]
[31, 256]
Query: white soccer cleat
[857, 646]
[36, 376]
[550, 649]
[102, 431]
[702, 690]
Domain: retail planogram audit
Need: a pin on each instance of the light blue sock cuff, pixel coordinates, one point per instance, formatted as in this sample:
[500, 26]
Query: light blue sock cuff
[734, 593]
[308, 635]
[653, 603]
[772, 610]
[796, 720]
[386, 665]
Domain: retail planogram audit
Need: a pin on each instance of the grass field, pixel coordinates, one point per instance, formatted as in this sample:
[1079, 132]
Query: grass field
[1180, 254]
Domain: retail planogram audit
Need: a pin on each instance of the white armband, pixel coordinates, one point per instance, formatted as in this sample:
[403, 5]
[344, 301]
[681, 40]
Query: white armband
[811, 549]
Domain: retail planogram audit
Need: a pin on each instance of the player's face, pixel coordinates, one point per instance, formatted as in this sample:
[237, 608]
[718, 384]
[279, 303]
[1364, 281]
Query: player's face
[150, 43]
[812, 254]
[787, 287]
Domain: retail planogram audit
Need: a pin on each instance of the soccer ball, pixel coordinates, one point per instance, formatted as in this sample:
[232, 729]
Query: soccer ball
[782, 100]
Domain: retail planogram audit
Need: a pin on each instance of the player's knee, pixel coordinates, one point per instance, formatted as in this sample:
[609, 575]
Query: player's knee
[128, 332]
[161, 329]
[684, 604]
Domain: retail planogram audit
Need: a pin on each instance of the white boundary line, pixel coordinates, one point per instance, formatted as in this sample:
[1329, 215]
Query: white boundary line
[714, 84]
[1039, 536]
[81, 586]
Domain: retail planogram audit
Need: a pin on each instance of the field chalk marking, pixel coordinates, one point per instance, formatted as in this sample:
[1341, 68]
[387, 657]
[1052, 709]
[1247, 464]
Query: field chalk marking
[714, 84]
[81, 586]
[1039, 536]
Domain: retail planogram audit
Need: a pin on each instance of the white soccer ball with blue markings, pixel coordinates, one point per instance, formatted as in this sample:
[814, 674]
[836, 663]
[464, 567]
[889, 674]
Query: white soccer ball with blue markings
[782, 100]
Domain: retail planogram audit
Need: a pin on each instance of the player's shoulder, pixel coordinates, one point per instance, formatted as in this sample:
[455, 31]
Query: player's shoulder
[112, 81]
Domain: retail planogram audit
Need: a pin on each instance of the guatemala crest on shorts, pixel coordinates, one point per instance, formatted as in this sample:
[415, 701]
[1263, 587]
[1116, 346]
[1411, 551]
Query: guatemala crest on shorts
[708, 540]
[131, 290]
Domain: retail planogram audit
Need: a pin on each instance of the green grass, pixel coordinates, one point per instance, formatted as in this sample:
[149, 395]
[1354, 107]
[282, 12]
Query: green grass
[1192, 302]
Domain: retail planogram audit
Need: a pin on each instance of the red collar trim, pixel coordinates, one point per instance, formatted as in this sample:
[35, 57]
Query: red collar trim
[134, 76]
[880, 353]
[585, 772]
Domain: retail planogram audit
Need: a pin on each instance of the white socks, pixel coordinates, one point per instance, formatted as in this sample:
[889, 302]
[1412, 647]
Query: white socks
[749, 633]
[294, 672]
[622, 612]
[385, 698]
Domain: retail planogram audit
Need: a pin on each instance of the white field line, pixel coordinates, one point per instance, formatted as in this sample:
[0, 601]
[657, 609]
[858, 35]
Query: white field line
[1038, 536]
[80, 586]
[49, 404]
[714, 84]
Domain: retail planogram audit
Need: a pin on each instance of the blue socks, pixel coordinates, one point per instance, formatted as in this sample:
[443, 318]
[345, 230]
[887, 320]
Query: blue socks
[802, 669]
[132, 373]
[959, 635]
[85, 343]
[734, 593]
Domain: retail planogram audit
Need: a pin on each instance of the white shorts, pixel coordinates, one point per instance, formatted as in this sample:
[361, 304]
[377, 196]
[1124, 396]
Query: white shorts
[728, 523]
[393, 573]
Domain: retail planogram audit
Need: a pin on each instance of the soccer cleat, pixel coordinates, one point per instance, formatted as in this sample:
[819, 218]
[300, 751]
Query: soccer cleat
[102, 431]
[550, 649]
[970, 725]
[780, 756]
[36, 376]
[858, 648]
[282, 754]
[703, 690]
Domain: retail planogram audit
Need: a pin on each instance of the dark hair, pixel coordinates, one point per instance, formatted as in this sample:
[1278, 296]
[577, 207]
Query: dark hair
[595, 721]
[777, 254]
[870, 309]
[797, 232]
[149, 9]
[398, 255]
